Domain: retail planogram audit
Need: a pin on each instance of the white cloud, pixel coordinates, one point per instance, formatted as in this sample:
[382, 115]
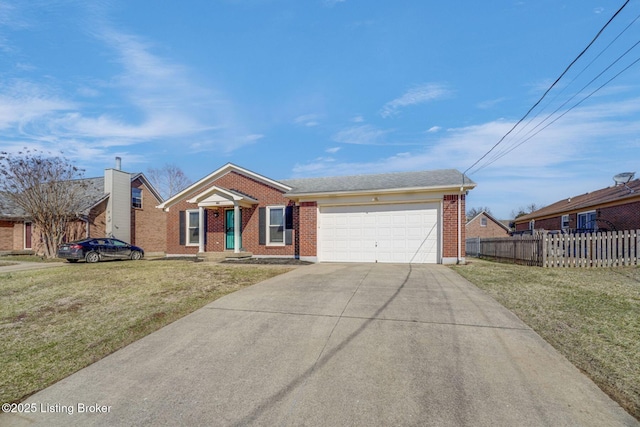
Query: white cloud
[577, 154]
[332, 150]
[434, 129]
[309, 120]
[357, 119]
[414, 96]
[361, 135]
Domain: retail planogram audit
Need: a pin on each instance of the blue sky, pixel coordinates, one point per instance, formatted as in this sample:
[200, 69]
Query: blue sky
[297, 88]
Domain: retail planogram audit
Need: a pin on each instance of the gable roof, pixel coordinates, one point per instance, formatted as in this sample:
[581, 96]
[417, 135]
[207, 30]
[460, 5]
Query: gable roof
[218, 173]
[492, 218]
[406, 181]
[617, 194]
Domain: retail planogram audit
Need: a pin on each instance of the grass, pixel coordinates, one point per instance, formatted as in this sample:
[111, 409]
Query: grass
[591, 316]
[28, 258]
[56, 321]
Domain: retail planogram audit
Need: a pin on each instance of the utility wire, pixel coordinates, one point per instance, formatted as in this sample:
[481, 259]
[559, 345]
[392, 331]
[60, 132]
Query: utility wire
[548, 90]
[565, 112]
[530, 121]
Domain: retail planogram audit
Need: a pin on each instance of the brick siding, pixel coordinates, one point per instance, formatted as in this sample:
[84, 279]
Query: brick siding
[215, 228]
[623, 217]
[148, 224]
[450, 225]
[475, 229]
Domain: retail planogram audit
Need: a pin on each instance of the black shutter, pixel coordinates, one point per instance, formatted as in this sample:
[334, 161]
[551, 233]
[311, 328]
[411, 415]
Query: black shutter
[288, 228]
[262, 226]
[182, 226]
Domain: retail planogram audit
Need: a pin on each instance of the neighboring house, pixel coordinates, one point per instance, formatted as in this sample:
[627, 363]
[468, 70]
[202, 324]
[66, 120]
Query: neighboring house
[398, 217]
[484, 225]
[120, 204]
[613, 208]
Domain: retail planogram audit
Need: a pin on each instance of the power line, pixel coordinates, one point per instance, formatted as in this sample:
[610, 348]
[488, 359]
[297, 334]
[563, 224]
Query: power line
[548, 90]
[565, 112]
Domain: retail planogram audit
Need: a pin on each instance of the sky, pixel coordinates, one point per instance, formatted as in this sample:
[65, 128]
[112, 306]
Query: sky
[304, 88]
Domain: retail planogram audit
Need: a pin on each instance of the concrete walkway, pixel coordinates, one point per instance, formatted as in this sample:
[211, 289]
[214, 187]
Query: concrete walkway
[335, 345]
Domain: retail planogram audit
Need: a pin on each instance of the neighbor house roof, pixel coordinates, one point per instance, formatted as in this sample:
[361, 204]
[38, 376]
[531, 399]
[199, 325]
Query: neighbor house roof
[501, 223]
[91, 191]
[9, 210]
[611, 195]
[445, 178]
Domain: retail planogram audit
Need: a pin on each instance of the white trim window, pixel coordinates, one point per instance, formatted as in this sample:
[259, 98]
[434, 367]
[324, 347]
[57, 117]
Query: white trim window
[192, 225]
[483, 222]
[275, 225]
[565, 222]
[587, 221]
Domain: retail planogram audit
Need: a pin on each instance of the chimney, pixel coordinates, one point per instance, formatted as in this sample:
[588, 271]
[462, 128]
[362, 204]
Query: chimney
[118, 163]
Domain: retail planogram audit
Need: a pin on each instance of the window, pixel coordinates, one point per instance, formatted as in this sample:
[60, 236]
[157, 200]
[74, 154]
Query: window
[193, 227]
[532, 224]
[275, 225]
[483, 222]
[587, 221]
[565, 222]
[136, 198]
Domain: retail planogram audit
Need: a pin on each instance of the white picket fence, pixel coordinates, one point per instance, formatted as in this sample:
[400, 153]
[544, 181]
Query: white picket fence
[598, 249]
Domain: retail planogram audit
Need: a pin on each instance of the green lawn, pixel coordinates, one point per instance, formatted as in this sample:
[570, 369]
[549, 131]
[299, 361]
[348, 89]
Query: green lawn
[56, 321]
[592, 316]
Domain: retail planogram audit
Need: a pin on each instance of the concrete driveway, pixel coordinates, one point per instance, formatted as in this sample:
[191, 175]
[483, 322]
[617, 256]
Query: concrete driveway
[334, 345]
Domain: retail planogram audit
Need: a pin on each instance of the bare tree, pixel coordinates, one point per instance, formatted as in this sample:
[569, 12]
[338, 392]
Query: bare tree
[521, 211]
[169, 180]
[47, 189]
[471, 213]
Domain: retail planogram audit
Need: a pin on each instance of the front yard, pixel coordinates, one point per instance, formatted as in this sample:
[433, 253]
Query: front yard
[591, 316]
[56, 321]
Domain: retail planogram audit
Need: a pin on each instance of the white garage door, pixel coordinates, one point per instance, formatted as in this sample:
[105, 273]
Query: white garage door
[379, 233]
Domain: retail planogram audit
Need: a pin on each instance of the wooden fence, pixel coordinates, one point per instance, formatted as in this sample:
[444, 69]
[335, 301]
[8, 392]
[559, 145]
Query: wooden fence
[599, 249]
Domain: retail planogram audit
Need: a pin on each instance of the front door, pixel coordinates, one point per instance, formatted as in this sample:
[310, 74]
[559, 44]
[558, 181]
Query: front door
[230, 230]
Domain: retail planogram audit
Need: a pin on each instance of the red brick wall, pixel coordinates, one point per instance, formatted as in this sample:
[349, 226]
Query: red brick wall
[475, 229]
[450, 225]
[6, 236]
[623, 217]
[148, 224]
[215, 234]
[308, 220]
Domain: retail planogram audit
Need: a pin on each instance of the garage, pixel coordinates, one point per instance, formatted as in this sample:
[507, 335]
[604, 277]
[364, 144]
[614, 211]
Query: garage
[392, 233]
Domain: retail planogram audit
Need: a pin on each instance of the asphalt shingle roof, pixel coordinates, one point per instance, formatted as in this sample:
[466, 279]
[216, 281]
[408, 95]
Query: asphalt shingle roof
[386, 181]
[92, 193]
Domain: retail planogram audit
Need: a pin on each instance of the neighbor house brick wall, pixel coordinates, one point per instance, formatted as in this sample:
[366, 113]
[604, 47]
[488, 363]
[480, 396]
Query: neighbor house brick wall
[623, 217]
[475, 229]
[18, 237]
[215, 234]
[450, 225]
[6, 235]
[148, 224]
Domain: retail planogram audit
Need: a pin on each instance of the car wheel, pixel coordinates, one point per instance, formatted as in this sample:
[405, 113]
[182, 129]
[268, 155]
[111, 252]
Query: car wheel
[92, 257]
[72, 260]
[136, 255]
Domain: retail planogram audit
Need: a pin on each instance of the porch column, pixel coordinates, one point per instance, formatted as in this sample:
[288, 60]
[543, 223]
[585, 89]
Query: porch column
[236, 227]
[201, 230]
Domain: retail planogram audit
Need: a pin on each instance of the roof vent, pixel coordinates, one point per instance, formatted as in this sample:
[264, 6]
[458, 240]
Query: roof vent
[623, 178]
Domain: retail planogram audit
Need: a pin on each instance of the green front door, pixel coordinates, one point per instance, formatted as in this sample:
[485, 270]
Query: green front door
[229, 227]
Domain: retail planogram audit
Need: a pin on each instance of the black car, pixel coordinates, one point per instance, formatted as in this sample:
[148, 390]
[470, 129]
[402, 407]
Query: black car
[99, 249]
